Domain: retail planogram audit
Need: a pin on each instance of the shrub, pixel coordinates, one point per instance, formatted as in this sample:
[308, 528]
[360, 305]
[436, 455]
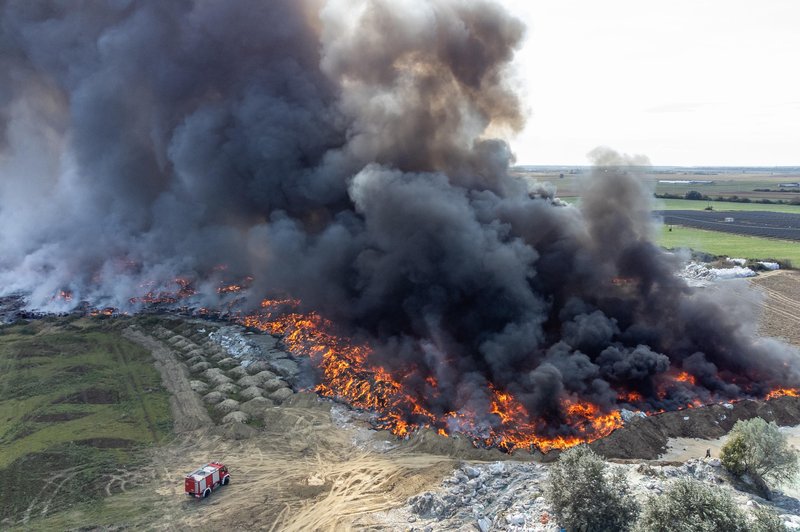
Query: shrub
[585, 497]
[759, 450]
[690, 506]
[765, 520]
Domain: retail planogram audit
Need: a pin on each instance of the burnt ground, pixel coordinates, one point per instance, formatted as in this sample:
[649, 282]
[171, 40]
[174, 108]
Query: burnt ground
[781, 225]
[646, 438]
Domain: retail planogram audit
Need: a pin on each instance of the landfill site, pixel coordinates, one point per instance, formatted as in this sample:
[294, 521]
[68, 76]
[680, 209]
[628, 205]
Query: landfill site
[299, 461]
[278, 265]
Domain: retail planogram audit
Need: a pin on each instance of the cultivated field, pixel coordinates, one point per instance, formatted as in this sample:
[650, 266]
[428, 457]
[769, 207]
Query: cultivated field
[781, 316]
[723, 182]
[780, 225]
[759, 230]
[695, 205]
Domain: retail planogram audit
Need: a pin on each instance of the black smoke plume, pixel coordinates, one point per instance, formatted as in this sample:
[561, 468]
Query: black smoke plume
[342, 152]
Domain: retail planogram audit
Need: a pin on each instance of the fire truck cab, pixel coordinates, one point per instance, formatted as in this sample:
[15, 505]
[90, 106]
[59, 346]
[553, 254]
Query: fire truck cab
[200, 483]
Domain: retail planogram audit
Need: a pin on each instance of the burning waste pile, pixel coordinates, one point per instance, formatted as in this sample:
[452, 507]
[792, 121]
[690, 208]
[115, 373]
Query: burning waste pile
[344, 168]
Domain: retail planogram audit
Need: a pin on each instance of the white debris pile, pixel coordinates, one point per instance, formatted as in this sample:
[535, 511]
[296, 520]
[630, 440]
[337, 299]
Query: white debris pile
[770, 265]
[629, 415]
[698, 274]
[233, 340]
[737, 272]
[738, 262]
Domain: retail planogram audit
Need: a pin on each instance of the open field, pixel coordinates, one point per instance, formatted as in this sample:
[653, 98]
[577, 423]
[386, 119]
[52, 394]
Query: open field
[716, 206]
[77, 403]
[722, 206]
[718, 243]
[724, 182]
[780, 225]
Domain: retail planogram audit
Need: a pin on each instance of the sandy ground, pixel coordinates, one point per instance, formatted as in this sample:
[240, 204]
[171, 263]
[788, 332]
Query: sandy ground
[682, 449]
[302, 471]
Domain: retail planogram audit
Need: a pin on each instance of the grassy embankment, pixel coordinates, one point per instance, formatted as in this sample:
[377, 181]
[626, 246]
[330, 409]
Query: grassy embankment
[78, 403]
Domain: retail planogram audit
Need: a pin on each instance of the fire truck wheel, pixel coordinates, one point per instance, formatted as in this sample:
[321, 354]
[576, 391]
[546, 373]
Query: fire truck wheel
[206, 493]
[226, 480]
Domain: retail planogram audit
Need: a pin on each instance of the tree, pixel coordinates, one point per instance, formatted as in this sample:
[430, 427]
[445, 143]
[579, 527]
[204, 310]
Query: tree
[759, 450]
[693, 195]
[690, 506]
[585, 497]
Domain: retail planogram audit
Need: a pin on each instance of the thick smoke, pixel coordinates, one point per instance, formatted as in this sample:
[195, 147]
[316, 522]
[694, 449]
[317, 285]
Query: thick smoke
[341, 152]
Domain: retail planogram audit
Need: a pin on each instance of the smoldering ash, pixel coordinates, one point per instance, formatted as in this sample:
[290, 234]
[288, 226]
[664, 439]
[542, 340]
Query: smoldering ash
[341, 153]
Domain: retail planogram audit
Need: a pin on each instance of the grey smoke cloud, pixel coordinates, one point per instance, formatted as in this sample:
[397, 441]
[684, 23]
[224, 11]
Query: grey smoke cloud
[342, 152]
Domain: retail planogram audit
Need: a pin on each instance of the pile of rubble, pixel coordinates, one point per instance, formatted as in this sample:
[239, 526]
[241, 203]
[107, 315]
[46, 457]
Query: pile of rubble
[698, 274]
[509, 496]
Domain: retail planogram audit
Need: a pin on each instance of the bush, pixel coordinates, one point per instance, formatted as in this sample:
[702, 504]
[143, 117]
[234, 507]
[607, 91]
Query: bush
[690, 506]
[585, 497]
[765, 520]
[758, 449]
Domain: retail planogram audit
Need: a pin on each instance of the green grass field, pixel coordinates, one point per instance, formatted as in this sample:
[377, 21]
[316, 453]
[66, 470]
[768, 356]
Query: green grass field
[739, 246]
[77, 402]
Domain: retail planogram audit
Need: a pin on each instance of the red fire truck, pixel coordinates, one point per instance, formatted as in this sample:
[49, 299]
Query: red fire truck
[200, 483]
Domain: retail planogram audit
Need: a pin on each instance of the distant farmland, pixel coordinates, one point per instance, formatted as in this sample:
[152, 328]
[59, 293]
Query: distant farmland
[785, 226]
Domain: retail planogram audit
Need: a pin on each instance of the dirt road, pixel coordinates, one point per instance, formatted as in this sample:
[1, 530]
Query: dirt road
[188, 411]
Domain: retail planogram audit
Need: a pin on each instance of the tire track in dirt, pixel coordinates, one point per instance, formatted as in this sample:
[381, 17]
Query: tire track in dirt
[781, 316]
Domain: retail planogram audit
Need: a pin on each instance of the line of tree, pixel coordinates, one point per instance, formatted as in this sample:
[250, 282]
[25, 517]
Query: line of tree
[698, 196]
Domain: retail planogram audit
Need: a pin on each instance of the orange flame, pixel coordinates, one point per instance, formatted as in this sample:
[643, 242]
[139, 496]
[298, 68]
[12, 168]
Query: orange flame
[347, 374]
[783, 392]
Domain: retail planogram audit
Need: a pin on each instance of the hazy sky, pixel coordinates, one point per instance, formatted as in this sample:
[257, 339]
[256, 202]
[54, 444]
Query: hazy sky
[684, 82]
